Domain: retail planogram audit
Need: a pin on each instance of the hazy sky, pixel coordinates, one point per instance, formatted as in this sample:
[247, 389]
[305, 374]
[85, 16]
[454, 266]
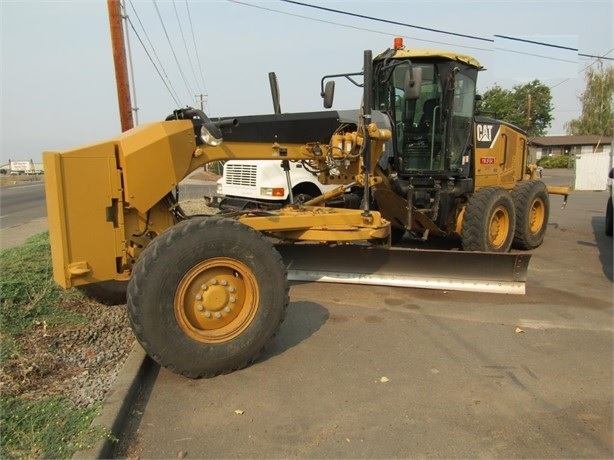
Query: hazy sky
[58, 83]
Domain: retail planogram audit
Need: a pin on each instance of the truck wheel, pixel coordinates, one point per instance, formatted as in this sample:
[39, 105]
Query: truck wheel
[532, 205]
[207, 296]
[609, 222]
[302, 198]
[488, 224]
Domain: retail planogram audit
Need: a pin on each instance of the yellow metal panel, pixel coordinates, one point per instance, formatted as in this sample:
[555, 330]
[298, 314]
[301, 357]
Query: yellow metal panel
[416, 53]
[84, 209]
[150, 172]
[55, 218]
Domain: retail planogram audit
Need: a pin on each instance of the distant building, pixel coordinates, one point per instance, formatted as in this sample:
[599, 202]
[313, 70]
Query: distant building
[19, 167]
[547, 146]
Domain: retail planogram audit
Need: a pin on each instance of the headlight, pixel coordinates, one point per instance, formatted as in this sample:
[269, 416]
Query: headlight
[210, 135]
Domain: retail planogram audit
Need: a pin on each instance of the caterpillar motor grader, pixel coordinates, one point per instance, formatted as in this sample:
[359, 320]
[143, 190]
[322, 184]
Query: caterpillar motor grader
[205, 294]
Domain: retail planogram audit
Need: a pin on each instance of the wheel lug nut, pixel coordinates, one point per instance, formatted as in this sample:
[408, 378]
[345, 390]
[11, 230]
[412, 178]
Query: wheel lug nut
[208, 314]
[218, 315]
[204, 287]
[214, 281]
[200, 307]
[227, 309]
[231, 289]
[224, 283]
[233, 300]
[199, 297]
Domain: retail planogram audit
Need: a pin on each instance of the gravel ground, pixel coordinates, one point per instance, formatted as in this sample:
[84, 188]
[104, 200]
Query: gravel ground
[79, 362]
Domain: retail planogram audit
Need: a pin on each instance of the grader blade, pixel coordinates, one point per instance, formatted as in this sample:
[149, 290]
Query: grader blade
[429, 269]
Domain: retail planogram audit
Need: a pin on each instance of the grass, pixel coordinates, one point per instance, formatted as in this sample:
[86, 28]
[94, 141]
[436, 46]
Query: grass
[48, 427]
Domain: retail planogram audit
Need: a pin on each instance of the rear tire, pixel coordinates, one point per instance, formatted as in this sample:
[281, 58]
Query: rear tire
[489, 221]
[207, 296]
[532, 204]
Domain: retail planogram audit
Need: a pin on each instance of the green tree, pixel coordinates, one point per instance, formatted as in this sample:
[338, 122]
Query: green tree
[597, 104]
[513, 106]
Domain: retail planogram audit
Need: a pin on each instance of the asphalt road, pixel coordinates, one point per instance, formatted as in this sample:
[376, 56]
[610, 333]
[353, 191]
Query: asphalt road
[376, 372]
[22, 203]
[23, 209]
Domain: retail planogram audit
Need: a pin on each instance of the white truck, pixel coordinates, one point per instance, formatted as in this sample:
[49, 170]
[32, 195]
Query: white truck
[263, 184]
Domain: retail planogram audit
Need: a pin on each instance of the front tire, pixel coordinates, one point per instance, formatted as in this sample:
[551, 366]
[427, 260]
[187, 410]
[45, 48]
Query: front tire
[532, 204]
[489, 221]
[396, 235]
[207, 296]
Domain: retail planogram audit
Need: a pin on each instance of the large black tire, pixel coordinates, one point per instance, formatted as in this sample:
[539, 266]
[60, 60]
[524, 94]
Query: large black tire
[532, 204]
[489, 221]
[396, 234]
[207, 296]
[609, 222]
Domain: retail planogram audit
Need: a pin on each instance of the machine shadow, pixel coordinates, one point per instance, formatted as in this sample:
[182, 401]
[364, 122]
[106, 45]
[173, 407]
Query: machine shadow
[303, 319]
[604, 244]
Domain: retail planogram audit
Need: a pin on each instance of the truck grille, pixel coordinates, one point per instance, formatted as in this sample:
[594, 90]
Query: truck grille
[244, 175]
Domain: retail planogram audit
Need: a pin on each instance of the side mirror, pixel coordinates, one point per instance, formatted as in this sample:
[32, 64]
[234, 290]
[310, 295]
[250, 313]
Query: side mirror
[328, 94]
[413, 83]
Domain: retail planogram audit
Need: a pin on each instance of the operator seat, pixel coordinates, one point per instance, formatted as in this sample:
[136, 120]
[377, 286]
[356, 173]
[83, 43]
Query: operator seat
[426, 120]
[417, 150]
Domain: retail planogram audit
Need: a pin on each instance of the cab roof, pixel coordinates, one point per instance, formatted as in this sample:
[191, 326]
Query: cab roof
[415, 53]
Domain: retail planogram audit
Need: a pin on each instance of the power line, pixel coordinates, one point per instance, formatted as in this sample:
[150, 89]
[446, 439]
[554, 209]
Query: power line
[590, 65]
[185, 45]
[524, 40]
[430, 29]
[524, 53]
[387, 21]
[202, 78]
[153, 63]
[347, 26]
[167, 81]
[190, 92]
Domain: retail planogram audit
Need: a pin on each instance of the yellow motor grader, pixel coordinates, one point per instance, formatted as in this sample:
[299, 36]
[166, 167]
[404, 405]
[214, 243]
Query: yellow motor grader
[205, 294]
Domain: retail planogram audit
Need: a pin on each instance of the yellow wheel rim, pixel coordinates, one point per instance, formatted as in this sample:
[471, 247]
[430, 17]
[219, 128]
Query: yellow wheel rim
[499, 227]
[537, 214]
[216, 300]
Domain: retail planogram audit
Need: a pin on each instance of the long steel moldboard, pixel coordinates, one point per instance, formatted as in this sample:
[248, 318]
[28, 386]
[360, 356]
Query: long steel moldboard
[429, 269]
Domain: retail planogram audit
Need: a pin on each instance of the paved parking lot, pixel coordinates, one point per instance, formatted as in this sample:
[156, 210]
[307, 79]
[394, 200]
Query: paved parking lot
[375, 372]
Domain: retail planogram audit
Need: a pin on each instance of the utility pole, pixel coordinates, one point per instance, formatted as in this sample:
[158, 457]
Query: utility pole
[529, 112]
[201, 97]
[135, 108]
[121, 69]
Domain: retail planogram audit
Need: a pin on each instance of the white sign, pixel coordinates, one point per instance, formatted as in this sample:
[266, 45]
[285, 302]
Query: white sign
[21, 165]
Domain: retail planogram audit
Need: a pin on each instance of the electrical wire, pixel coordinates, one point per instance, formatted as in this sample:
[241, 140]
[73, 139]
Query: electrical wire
[165, 79]
[171, 91]
[524, 53]
[168, 39]
[185, 45]
[430, 29]
[347, 26]
[387, 21]
[590, 65]
[200, 68]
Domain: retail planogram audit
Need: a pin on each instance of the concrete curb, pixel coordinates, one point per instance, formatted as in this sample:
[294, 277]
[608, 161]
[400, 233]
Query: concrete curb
[117, 405]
